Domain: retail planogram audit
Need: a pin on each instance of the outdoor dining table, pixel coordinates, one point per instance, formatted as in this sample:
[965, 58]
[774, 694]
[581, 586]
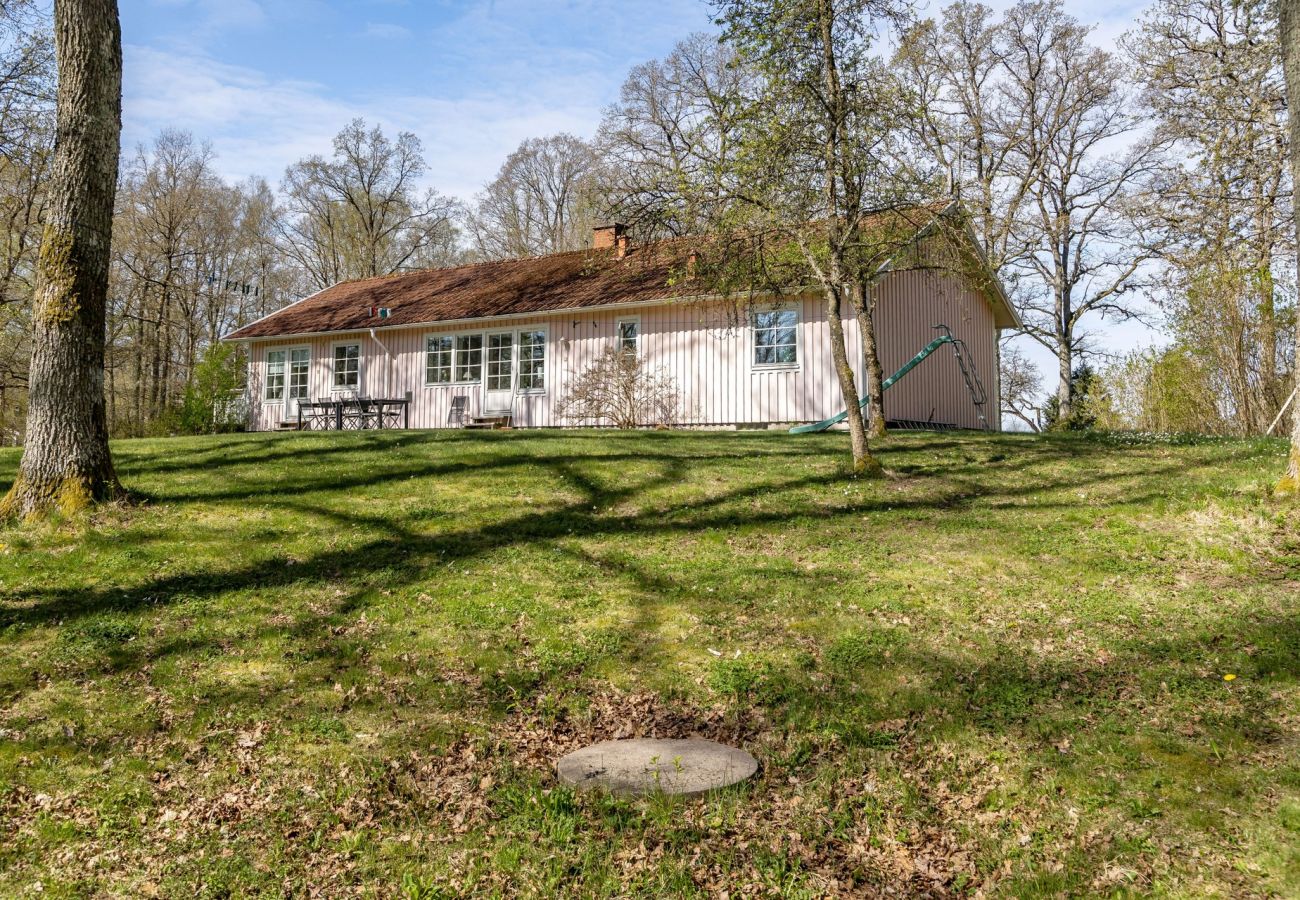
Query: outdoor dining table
[362, 412]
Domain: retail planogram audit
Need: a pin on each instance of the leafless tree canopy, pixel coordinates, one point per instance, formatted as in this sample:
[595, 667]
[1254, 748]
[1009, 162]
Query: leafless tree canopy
[26, 153]
[1021, 387]
[362, 212]
[1211, 79]
[1040, 136]
[542, 201]
[1289, 31]
[669, 139]
[194, 257]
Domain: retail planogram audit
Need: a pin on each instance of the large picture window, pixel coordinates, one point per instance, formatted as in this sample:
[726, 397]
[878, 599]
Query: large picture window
[347, 367]
[532, 360]
[469, 358]
[437, 360]
[275, 365]
[776, 337]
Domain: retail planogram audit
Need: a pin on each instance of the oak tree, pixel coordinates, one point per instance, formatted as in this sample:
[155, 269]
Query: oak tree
[66, 463]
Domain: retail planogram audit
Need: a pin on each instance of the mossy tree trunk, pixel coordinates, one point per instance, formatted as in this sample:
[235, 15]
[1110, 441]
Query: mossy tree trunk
[1289, 12]
[66, 463]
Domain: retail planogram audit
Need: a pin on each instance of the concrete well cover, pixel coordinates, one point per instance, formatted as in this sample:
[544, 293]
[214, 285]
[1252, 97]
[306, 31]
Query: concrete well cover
[647, 766]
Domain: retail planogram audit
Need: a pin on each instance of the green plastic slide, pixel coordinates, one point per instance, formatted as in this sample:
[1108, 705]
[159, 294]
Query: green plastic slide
[889, 382]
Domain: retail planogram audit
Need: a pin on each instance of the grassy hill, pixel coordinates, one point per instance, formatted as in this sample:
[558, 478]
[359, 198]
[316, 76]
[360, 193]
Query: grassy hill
[346, 663]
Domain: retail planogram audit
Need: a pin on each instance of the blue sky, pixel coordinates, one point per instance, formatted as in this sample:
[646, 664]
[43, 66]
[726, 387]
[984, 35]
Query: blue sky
[270, 81]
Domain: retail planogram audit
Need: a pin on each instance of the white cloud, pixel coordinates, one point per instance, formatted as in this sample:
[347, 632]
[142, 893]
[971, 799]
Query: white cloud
[258, 125]
[499, 71]
[386, 31]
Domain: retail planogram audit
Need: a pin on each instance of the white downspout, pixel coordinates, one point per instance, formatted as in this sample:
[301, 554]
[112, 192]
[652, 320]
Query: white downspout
[388, 366]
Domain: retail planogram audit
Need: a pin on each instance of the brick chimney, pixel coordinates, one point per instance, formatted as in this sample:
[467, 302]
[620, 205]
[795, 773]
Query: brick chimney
[604, 237]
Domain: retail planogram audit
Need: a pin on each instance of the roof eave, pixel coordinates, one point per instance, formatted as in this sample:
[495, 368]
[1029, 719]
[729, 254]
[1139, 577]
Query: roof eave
[567, 310]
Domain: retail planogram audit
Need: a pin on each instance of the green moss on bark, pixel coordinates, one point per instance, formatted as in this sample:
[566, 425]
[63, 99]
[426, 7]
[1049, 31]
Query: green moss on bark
[868, 467]
[67, 497]
[1289, 486]
[58, 302]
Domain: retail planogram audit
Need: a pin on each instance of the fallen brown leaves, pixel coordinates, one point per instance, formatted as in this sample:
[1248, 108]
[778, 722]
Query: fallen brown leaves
[914, 820]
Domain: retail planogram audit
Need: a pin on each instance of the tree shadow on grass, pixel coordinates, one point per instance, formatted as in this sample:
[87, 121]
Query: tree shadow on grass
[403, 554]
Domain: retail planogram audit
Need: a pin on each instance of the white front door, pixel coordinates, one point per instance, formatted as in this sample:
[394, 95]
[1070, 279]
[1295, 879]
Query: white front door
[296, 381]
[499, 379]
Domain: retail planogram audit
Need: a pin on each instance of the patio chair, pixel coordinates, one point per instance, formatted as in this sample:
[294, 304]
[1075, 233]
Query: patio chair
[390, 412]
[328, 407]
[317, 416]
[456, 414]
[360, 412]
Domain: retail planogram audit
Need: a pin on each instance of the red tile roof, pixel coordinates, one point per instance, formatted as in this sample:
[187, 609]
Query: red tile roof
[509, 287]
[582, 278]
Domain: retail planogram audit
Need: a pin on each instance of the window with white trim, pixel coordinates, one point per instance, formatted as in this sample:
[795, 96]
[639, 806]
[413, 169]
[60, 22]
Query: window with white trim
[532, 360]
[629, 335]
[299, 370]
[347, 367]
[776, 337]
[275, 366]
[500, 358]
[437, 359]
[469, 358]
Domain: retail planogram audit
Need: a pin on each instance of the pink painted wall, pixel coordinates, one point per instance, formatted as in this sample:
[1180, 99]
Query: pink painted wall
[705, 348]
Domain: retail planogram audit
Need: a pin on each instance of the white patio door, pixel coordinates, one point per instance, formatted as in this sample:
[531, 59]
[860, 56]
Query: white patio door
[299, 368]
[499, 379]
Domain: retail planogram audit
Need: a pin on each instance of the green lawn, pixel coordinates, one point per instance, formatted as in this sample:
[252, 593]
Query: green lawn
[345, 664]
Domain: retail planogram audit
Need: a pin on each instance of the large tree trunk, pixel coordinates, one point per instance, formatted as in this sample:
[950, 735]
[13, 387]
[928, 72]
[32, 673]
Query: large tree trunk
[66, 462]
[1289, 11]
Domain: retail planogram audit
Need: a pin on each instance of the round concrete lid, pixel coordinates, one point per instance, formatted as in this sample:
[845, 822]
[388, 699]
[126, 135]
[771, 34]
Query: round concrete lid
[648, 766]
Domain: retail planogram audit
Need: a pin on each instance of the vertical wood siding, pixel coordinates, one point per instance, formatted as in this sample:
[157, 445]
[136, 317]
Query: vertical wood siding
[706, 349]
[909, 304]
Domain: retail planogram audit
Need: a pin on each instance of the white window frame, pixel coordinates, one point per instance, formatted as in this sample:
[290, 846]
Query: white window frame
[618, 333]
[455, 356]
[288, 363]
[798, 339]
[545, 332]
[335, 387]
[452, 364]
[284, 376]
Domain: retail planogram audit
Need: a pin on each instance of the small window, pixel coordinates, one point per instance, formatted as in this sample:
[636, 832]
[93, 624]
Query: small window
[532, 360]
[469, 358]
[629, 333]
[775, 337]
[347, 367]
[437, 359]
[275, 362]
